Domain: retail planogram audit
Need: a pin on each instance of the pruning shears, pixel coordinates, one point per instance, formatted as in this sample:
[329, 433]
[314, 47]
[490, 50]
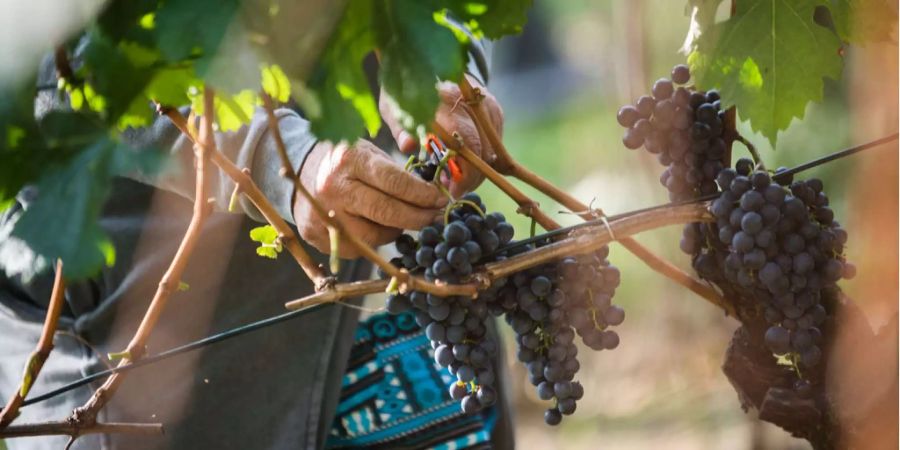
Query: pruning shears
[435, 146]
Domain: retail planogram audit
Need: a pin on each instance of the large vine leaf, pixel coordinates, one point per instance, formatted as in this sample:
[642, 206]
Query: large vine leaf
[113, 74]
[121, 20]
[185, 26]
[345, 105]
[24, 152]
[62, 222]
[861, 21]
[416, 52]
[769, 59]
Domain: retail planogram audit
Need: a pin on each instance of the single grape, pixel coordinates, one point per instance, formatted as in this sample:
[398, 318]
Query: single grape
[681, 74]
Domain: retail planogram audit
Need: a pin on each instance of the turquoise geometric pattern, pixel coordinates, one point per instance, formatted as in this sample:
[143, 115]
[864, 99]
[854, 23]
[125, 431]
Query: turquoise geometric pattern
[394, 395]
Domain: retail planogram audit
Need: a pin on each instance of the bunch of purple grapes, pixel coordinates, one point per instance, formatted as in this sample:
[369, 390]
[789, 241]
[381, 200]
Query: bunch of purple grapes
[547, 307]
[781, 246]
[456, 326]
[684, 128]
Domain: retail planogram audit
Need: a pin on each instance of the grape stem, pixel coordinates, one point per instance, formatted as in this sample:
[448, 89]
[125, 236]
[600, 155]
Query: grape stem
[527, 206]
[507, 165]
[41, 353]
[752, 149]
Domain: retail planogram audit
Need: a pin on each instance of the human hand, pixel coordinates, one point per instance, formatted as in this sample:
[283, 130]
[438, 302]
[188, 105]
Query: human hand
[452, 116]
[373, 197]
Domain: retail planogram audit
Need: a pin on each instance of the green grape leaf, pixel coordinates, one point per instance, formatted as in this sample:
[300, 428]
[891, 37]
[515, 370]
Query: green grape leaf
[232, 111]
[338, 86]
[276, 83]
[168, 86]
[121, 20]
[268, 252]
[62, 222]
[188, 27]
[769, 59]
[862, 21]
[416, 52]
[269, 244]
[24, 154]
[492, 18]
[113, 75]
[703, 17]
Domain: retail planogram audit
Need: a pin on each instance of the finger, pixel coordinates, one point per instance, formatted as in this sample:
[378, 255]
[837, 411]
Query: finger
[373, 167]
[312, 230]
[388, 108]
[452, 115]
[370, 233]
[368, 202]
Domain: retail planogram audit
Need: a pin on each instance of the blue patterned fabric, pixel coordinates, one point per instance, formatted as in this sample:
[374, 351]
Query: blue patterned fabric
[395, 396]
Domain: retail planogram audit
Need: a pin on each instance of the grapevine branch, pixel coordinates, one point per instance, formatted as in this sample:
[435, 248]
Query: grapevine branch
[507, 165]
[74, 429]
[244, 184]
[343, 290]
[41, 353]
[347, 290]
[587, 240]
[87, 414]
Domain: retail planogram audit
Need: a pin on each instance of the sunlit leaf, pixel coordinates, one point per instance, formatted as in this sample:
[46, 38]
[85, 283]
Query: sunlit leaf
[770, 59]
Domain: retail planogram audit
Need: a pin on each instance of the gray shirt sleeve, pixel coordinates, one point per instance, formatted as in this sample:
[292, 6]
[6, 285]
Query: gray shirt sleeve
[251, 147]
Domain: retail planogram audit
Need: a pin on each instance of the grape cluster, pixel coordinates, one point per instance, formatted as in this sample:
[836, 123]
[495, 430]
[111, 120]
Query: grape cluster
[786, 245]
[546, 306]
[456, 326]
[783, 248]
[684, 128]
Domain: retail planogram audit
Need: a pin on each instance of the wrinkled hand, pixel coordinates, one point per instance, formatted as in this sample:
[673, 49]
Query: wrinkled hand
[373, 197]
[451, 115]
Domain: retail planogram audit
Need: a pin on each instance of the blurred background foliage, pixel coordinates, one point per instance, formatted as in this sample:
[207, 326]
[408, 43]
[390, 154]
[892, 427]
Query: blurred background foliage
[560, 84]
